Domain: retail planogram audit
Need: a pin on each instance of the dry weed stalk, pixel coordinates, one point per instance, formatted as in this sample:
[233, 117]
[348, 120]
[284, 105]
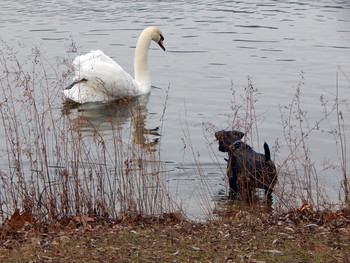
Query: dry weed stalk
[298, 176]
[56, 168]
[342, 149]
[298, 166]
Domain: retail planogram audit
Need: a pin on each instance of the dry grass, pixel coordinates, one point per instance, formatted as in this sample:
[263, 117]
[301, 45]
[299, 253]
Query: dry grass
[55, 169]
[297, 236]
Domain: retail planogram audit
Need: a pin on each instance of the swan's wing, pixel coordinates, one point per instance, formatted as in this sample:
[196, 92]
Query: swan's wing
[105, 74]
[83, 92]
[92, 55]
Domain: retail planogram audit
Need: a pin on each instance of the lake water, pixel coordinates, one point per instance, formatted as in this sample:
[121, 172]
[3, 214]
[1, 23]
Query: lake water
[212, 48]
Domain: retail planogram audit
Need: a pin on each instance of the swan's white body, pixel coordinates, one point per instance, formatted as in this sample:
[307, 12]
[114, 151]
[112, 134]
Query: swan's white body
[98, 78]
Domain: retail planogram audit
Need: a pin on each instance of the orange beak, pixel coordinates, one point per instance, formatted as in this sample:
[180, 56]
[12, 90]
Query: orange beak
[160, 43]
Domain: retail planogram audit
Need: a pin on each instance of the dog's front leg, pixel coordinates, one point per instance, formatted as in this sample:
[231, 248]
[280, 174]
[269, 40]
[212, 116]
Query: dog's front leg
[232, 174]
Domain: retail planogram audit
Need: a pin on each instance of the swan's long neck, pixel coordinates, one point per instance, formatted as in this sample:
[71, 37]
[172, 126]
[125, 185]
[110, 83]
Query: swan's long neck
[142, 76]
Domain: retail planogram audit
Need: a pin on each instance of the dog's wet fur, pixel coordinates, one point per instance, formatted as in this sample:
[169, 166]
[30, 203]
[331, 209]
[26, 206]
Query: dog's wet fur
[247, 170]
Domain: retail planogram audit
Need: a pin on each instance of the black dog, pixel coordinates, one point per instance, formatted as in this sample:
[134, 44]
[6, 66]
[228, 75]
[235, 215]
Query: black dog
[246, 169]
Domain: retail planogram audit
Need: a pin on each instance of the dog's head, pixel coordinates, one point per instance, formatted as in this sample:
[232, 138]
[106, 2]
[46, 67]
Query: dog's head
[227, 138]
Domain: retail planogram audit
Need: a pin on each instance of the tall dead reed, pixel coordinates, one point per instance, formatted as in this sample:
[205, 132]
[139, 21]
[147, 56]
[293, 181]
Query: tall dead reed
[300, 180]
[299, 176]
[57, 162]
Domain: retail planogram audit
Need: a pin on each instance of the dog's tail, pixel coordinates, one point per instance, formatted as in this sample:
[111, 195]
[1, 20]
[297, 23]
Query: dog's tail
[267, 152]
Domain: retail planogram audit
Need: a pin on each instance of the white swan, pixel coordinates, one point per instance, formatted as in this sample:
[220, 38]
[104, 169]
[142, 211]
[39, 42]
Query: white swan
[98, 78]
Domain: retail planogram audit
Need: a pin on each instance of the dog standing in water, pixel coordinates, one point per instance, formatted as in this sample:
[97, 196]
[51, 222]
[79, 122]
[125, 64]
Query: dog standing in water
[246, 169]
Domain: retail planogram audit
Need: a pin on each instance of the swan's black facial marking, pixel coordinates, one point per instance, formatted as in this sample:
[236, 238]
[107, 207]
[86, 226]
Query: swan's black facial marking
[160, 43]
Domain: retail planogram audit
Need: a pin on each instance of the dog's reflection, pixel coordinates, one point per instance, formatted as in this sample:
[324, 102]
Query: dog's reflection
[104, 117]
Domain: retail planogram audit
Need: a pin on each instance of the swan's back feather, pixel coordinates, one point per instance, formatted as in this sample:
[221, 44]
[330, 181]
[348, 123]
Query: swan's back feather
[92, 55]
[104, 74]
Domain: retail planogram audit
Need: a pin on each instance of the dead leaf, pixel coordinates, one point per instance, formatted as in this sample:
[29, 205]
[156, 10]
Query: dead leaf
[176, 217]
[336, 215]
[252, 260]
[274, 251]
[306, 207]
[18, 220]
[83, 219]
[231, 213]
[196, 248]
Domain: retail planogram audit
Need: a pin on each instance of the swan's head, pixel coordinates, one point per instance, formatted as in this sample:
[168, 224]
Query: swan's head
[156, 35]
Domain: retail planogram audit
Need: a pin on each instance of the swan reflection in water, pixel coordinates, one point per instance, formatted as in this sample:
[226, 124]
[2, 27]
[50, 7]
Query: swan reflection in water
[103, 117]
